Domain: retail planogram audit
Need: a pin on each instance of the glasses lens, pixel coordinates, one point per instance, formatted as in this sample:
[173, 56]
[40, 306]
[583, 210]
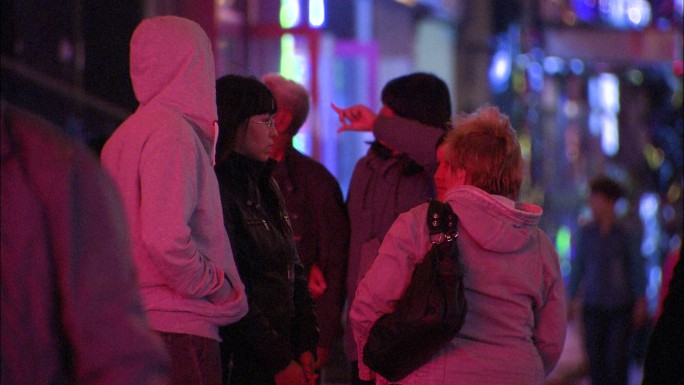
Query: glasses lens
[270, 123]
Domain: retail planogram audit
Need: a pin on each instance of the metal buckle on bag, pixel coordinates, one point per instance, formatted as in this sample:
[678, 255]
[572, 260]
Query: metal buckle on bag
[436, 239]
[436, 223]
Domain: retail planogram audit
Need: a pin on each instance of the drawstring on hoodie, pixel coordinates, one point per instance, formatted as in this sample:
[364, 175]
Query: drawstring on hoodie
[214, 142]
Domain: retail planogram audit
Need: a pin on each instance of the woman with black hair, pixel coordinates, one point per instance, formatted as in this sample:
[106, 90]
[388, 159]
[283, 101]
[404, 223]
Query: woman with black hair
[275, 341]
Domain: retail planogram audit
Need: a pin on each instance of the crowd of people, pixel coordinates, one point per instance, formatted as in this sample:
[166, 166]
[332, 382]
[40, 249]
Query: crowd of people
[204, 249]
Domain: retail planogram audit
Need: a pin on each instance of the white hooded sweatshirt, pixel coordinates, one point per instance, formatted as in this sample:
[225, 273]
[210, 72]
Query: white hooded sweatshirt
[161, 158]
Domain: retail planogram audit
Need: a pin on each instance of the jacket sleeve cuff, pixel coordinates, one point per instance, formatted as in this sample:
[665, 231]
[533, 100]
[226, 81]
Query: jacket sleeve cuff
[277, 362]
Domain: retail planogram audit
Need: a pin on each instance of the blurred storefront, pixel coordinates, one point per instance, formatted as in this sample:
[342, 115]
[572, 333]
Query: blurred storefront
[596, 87]
[592, 86]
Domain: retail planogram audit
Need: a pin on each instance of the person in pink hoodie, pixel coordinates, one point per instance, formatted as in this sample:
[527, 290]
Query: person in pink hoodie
[162, 159]
[514, 328]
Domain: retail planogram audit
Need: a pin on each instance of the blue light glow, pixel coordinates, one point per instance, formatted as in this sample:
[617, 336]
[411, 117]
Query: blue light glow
[648, 207]
[500, 70]
[610, 137]
[655, 276]
[553, 65]
[639, 13]
[302, 142]
[595, 122]
[608, 92]
[626, 13]
[621, 207]
[604, 101]
[648, 212]
[536, 75]
[577, 66]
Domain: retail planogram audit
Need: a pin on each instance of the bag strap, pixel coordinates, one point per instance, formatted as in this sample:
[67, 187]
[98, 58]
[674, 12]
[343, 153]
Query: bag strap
[442, 222]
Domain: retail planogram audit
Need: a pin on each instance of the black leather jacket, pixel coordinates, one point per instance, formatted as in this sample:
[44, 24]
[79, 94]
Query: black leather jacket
[281, 322]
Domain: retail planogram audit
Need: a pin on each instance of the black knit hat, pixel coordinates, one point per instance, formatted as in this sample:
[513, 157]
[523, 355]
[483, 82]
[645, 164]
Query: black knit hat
[419, 96]
[238, 98]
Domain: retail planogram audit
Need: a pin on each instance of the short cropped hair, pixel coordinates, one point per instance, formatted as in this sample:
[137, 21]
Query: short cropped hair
[607, 187]
[292, 97]
[485, 145]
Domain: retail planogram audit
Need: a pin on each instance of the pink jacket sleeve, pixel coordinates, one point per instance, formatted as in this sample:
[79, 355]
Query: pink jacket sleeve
[551, 317]
[387, 279]
[169, 194]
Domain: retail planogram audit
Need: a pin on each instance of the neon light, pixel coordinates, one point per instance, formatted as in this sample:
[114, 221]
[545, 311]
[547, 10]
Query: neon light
[500, 69]
[563, 237]
[604, 100]
[626, 13]
[289, 13]
[316, 13]
[288, 56]
[648, 211]
[301, 142]
[563, 242]
[294, 66]
[610, 137]
[609, 92]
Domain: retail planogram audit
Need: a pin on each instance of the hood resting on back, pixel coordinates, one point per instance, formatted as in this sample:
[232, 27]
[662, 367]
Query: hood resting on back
[495, 223]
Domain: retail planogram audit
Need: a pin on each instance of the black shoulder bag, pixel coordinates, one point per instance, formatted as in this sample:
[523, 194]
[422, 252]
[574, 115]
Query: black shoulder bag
[430, 312]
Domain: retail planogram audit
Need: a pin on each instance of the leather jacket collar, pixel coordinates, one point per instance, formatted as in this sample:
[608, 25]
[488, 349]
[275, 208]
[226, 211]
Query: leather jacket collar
[235, 161]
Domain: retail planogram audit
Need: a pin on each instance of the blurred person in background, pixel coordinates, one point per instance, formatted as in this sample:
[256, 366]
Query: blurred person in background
[607, 282]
